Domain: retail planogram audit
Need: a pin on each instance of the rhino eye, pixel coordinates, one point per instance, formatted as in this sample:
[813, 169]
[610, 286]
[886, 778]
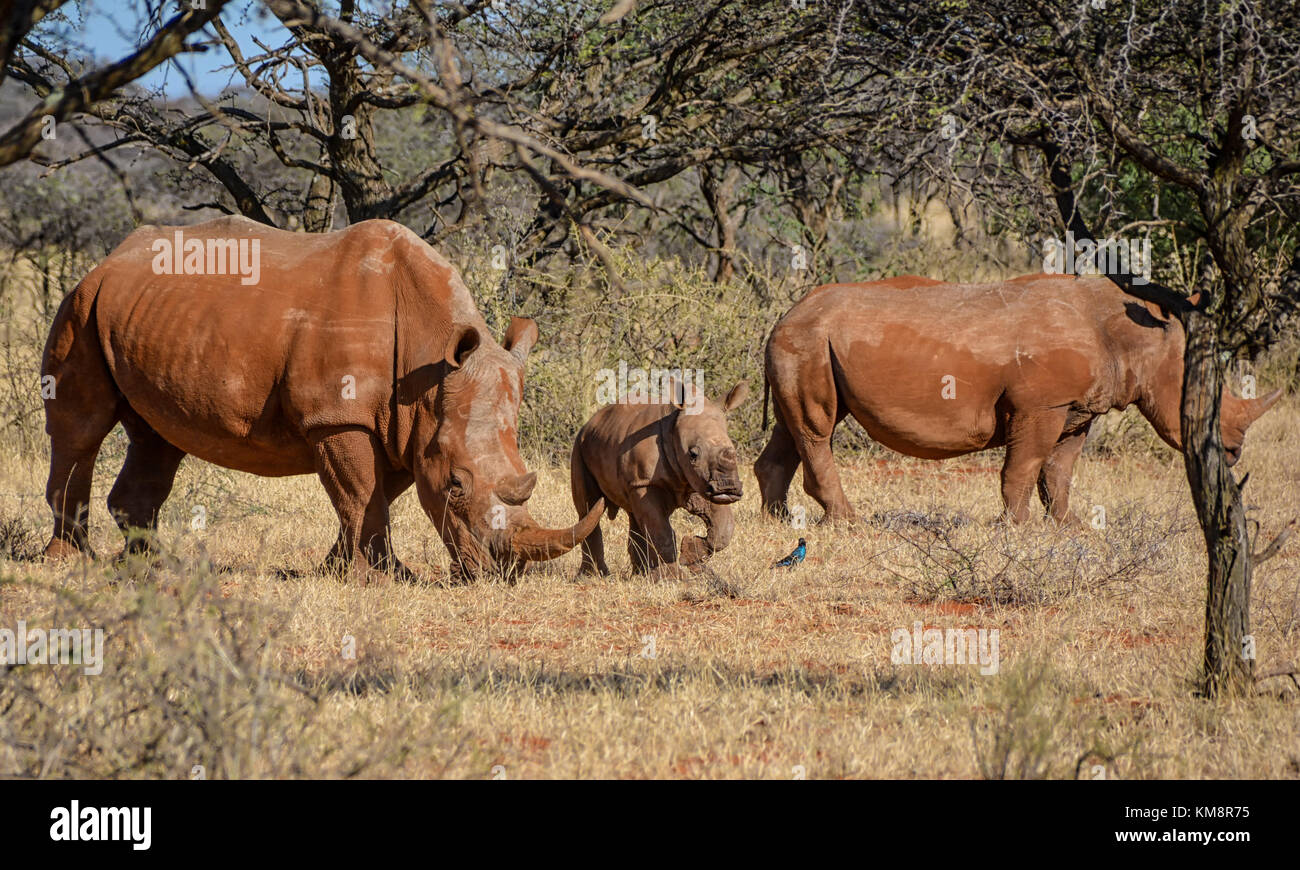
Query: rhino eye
[694, 453]
[455, 485]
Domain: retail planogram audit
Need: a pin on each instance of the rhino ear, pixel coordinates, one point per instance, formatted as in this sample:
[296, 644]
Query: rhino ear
[520, 337]
[738, 394]
[685, 395]
[464, 341]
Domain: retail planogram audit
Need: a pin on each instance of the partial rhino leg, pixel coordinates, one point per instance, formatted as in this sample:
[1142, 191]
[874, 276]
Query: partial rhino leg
[639, 547]
[143, 484]
[775, 469]
[811, 412]
[593, 554]
[394, 484]
[1058, 471]
[1030, 439]
[586, 492]
[821, 480]
[650, 509]
[719, 524]
[83, 410]
[349, 464]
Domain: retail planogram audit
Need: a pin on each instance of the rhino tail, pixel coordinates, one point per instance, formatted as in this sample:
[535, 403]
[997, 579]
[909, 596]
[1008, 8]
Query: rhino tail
[767, 390]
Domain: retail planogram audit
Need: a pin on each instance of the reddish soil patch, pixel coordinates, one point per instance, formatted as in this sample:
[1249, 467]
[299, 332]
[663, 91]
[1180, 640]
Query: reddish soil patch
[526, 742]
[948, 608]
[700, 604]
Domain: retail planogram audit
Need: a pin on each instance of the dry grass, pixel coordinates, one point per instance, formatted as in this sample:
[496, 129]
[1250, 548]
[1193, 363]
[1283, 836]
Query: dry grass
[229, 652]
[216, 658]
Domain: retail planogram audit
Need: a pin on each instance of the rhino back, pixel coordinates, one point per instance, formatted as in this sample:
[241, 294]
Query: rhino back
[237, 374]
[620, 447]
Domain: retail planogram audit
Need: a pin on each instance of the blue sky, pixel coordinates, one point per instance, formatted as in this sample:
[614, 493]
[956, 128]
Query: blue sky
[111, 29]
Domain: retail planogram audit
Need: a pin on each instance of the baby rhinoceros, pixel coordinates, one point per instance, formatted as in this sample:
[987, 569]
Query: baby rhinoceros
[651, 459]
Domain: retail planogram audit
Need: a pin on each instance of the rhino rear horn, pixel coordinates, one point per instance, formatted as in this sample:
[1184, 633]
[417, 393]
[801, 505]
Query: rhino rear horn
[535, 544]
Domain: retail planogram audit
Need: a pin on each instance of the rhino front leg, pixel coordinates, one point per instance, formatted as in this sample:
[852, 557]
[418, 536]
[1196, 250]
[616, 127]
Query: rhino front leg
[649, 511]
[1058, 471]
[719, 525]
[1030, 439]
[350, 468]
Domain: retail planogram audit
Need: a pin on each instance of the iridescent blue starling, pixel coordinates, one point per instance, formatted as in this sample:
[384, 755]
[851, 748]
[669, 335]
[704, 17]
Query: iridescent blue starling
[794, 558]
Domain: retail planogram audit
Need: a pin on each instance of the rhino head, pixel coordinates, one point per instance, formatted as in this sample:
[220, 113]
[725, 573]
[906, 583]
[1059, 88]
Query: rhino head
[469, 475]
[700, 447]
[1235, 417]
[1160, 399]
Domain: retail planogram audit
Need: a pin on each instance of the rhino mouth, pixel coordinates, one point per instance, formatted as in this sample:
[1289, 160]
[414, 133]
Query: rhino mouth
[725, 494]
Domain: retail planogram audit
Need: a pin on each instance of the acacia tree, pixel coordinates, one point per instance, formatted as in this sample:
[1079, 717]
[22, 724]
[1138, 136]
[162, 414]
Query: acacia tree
[83, 89]
[1124, 116]
[599, 109]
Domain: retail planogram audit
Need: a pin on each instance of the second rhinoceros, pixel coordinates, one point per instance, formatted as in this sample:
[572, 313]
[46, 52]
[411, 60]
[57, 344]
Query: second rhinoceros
[935, 370]
[651, 459]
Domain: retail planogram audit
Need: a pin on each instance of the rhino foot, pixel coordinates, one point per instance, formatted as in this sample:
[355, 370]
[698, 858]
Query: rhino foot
[60, 549]
[668, 572]
[841, 517]
[695, 550]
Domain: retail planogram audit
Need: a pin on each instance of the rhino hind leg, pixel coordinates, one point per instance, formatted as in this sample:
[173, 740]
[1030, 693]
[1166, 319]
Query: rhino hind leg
[586, 492]
[72, 467]
[143, 484]
[80, 413]
[775, 470]
[349, 466]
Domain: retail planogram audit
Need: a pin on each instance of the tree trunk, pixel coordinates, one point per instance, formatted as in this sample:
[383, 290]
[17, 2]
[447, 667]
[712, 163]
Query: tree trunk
[1229, 653]
[718, 195]
[318, 210]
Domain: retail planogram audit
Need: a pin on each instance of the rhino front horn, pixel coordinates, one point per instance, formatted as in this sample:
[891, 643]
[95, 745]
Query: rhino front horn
[1256, 407]
[535, 544]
